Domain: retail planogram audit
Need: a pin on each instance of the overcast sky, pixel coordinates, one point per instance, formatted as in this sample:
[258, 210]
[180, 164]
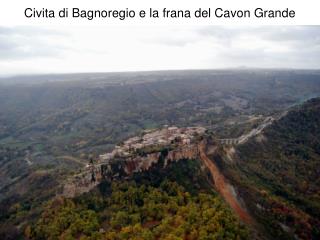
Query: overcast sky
[104, 49]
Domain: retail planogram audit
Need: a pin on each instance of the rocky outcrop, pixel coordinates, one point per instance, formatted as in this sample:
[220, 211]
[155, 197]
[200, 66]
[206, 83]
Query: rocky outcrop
[186, 152]
[124, 168]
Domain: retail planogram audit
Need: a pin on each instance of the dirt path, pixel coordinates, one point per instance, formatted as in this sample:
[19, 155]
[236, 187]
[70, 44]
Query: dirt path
[73, 159]
[224, 188]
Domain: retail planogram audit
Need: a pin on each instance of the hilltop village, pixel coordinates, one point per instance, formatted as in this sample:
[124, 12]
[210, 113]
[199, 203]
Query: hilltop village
[141, 152]
[151, 138]
[137, 154]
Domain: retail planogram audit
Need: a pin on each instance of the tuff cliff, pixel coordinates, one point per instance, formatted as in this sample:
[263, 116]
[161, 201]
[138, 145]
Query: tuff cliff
[158, 149]
[138, 154]
[124, 168]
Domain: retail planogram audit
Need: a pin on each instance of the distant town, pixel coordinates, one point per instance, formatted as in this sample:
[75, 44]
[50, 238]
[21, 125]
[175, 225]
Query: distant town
[163, 137]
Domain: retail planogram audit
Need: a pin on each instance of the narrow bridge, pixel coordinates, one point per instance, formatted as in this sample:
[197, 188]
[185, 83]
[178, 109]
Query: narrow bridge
[245, 137]
[229, 141]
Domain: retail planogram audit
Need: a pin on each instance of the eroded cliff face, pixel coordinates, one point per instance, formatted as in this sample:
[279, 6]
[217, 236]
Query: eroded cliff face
[186, 152]
[222, 185]
[124, 168]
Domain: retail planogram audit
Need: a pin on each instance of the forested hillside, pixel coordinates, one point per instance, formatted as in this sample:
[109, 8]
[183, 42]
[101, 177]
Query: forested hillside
[53, 126]
[279, 171]
[171, 203]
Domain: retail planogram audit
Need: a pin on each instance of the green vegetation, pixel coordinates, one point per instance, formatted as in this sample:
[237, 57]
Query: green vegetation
[187, 173]
[279, 174]
[139, 212]
[51, 125]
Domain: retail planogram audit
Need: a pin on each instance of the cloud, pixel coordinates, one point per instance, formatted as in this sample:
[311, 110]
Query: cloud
[27, 42]
[293, 33]
[124, 48]
[266, 46]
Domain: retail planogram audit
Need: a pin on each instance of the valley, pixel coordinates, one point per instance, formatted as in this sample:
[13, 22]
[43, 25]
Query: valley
[239, 143]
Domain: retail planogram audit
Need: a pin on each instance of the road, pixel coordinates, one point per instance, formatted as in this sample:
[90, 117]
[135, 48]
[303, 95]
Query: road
[245, 137]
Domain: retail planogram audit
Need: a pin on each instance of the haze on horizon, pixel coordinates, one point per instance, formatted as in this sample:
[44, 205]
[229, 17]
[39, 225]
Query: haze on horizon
[64, 49]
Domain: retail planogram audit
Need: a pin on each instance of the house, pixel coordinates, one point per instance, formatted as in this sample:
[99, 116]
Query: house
[172, 130]
[106, 156]
[186, 141]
